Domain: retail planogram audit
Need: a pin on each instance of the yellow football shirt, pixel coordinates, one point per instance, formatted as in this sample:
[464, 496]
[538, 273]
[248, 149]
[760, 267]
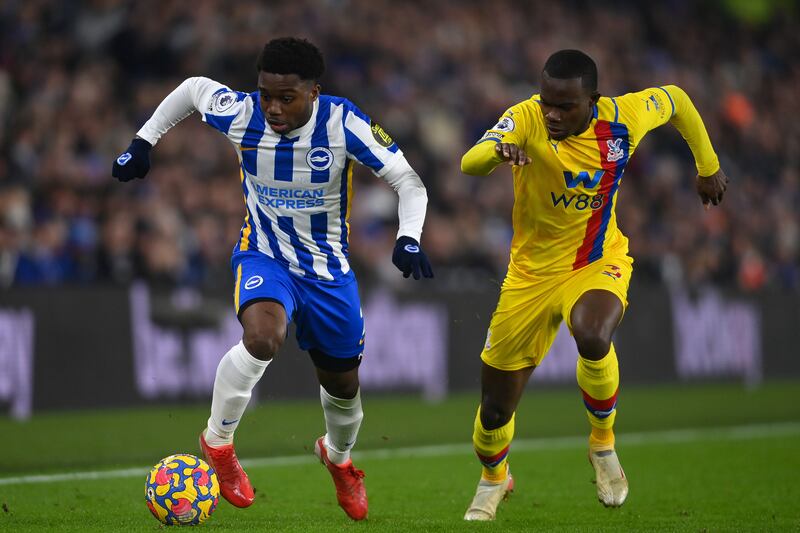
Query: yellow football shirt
[564, 216]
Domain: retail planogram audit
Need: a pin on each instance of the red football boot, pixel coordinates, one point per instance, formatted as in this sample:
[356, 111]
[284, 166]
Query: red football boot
[233, 482]
[350, 490]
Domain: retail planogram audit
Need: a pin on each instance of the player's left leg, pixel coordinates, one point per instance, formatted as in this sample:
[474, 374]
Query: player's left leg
[331, 328]
[593, 320]
[341, 403]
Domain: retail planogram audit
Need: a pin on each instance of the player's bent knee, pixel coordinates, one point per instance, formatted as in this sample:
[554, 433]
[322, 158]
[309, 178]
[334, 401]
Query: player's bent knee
[339, 383]
[591, 345]
[343, 390]
[495, 416]
[263, 343]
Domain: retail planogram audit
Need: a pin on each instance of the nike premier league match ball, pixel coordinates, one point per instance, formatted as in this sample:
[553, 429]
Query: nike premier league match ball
[181, 490]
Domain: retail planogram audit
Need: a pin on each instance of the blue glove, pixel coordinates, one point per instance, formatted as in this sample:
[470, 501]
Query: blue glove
[410, 258]
[134, 163]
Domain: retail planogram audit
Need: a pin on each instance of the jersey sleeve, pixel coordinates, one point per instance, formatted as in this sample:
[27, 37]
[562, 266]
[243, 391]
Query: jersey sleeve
[216, 102]
[221, 107]
[413, 198]
[367, 142]
[647, 109]
[512, 127]
[656, 106]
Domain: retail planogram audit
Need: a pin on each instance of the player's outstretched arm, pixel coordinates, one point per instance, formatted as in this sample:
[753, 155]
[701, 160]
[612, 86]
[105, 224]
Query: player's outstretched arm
[376, 150]
[179, 104]
[711, 181]
[712, 188]
[484, 157]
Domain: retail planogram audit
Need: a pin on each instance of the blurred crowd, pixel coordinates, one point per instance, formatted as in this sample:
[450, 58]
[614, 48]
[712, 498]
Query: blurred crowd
[78, 79]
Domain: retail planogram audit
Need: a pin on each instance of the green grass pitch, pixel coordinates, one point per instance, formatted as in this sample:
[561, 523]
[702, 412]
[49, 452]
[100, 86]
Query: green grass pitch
[699, 458]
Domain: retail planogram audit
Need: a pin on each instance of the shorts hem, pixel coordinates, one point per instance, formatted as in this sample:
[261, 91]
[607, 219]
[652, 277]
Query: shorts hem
[247, 304]
[332, 363]
[511, 367]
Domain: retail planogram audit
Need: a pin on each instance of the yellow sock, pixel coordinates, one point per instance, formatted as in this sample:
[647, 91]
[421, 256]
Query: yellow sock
[599, 383]
[601, 439]
[491, 446]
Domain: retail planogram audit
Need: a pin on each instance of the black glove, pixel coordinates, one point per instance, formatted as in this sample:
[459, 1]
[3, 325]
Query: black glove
[134, 163]
[410, 258]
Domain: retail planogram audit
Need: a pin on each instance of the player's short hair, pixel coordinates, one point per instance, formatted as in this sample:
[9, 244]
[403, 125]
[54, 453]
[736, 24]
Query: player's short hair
[290, 55]
[569, 64]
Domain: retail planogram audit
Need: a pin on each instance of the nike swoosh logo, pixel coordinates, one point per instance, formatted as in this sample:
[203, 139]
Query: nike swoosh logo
[229, 422]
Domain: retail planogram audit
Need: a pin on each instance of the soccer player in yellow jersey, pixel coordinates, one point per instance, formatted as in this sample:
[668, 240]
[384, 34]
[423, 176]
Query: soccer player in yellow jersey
[569, 261]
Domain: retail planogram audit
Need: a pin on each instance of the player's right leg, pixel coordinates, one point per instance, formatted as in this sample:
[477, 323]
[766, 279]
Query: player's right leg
[262, 301]
[522, 329]
[492, 435]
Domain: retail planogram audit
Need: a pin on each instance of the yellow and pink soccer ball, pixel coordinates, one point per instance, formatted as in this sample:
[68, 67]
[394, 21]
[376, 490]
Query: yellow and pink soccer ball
[181, 490]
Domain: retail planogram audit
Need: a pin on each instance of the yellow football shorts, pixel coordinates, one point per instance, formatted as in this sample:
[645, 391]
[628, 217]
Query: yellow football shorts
[531, 308]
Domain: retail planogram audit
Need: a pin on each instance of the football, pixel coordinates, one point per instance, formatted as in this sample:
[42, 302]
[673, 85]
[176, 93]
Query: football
[181, 490]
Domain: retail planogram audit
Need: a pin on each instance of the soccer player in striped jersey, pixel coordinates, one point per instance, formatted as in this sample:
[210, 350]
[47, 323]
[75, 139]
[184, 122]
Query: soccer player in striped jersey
[296, 151]
[569, 261]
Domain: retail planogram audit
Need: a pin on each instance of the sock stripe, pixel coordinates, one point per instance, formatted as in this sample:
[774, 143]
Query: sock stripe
[493, 460]
[600, 408]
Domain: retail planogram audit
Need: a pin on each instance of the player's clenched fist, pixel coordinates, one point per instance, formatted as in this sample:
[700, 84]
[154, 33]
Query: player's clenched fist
[712, 188]
[513, 154]
[410, 259]
[134, 162]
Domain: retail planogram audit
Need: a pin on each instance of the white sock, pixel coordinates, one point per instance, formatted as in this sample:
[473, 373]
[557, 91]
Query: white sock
[237, 374]
[342, 420]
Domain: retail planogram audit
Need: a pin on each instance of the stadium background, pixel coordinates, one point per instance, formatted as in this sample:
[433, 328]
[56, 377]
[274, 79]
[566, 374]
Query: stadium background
[116, 297]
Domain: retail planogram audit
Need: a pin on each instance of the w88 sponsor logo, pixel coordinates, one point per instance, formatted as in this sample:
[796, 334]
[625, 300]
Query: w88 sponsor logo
[579, 201]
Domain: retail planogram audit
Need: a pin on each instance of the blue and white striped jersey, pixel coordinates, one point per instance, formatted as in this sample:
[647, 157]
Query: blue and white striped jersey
[297, 186]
